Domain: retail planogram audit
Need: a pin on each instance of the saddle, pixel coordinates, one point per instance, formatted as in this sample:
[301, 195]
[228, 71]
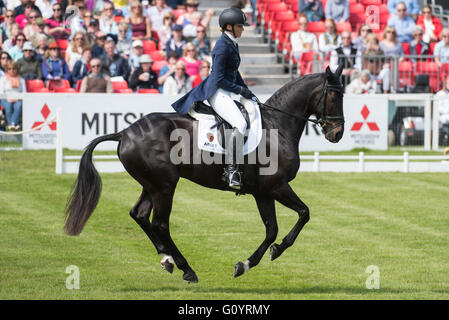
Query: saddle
[213, 129]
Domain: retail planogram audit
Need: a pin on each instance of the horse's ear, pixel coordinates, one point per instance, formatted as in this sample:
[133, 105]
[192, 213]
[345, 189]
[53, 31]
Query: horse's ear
[329, 72]
[339, 70]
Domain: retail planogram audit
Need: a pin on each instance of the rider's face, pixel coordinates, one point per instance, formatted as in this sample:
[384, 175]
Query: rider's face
[238, 30]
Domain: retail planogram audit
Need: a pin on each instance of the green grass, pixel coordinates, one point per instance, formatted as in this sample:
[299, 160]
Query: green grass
[398, 222]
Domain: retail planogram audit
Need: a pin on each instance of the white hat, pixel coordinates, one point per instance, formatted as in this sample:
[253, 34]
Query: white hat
[137, 43]
[28, 46]
[145, 59]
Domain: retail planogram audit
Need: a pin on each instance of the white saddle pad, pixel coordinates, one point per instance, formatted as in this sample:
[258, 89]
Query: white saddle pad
[208, 134]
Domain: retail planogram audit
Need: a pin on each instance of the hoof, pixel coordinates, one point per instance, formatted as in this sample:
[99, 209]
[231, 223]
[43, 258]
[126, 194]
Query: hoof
[275, 251]
[239, 269]
[168, 266]
[190, 277]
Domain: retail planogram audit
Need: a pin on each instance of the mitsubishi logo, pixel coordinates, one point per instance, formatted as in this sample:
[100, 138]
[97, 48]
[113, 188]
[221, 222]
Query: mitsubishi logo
[45, 113]
[357, 126]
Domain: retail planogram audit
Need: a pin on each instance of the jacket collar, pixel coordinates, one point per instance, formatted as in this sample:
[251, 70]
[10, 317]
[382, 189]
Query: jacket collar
[230, 42]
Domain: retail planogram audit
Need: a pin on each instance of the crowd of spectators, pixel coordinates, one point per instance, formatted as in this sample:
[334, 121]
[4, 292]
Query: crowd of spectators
[102, 42]
[410, 32]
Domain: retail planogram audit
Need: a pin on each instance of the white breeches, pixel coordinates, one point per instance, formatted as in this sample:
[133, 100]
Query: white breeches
[224, 105]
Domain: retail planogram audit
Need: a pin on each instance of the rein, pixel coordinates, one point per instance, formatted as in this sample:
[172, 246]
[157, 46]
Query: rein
[322, 122]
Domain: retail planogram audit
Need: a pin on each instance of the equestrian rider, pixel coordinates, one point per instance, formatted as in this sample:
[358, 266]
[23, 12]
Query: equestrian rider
[223, 80]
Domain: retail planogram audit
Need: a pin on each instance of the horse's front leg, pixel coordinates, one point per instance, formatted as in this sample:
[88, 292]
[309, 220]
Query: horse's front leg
[286, 196]
[267, 211]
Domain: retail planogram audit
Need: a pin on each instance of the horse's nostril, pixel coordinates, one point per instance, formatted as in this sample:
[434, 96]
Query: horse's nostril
[338, 135]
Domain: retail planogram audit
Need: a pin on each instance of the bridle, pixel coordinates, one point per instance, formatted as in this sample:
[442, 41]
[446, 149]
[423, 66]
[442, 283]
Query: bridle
[323, 121]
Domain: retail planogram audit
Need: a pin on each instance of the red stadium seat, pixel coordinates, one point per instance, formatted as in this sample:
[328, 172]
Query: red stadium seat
[52, 85]
[178, 12]
[62, 43]
[149, 45]
[156, 55]
[356, 8]
[405, 69]
[345, 26]
[34, 85]
[153, 91]
[432, 70]
[444, 71]
[41, 90]
[128, 90]
[119, 85]
[305, 62]
[65, 90]
[78, 85]
[316, 27]
[371, 2]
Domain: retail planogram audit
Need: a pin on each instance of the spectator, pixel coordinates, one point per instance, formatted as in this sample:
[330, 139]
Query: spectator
[56, 24]
[5, 26]
[165, 31]
[23, 19]
[29, 67]
[360, 41]
[204, 73]
[82, 66]
[431, 25]
[179, 83]
[40, 22]
[32, 28]
[362, 84]
[98, 47]
[157, 12]
[417, 47]
[443, 105]
[313, 9]
[190, 59]
[11, 82]
[140, 25]
[97, 81]
[302, 40]
[202, 43]
[53, 66]
[76, 23]
[347, 55]
[88, 18]
[22, 7]
[124, 44]
[143, 77]
[136, 53]
[75, 49]
[441, 50]
[9, 43]
[403, 24]
[114, 65]
[411, 5]
[390, 44]
[107, 22]
[189, 31]
[4, 60]
[337, 10]
[41, 47]
[191, 7]
[92, 29]
[177, 42]
[374, 62]
[329, 40]
[119, 6]
[45, 6]
[168, 69]
[16, 52]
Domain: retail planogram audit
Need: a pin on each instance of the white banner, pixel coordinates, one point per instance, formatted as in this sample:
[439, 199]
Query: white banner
[87, 116]
[366, 126]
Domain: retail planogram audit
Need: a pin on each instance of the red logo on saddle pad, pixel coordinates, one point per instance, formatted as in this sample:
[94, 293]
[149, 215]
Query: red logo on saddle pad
[371, 125]
[210, 137]
[45, 113]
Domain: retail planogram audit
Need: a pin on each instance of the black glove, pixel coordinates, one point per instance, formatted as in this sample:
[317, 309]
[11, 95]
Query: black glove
[246, 93]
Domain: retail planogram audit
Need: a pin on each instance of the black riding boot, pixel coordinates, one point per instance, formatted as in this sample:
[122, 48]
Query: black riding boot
[232, 174]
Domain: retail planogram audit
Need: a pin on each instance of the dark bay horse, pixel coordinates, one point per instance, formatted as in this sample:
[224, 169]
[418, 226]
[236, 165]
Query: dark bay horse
[144, 150]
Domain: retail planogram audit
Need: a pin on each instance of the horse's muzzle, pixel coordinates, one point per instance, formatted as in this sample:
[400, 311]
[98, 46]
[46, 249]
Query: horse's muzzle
[335, 133]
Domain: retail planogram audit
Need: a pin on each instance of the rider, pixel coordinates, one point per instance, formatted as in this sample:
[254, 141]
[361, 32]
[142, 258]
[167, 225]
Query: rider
[223, 80]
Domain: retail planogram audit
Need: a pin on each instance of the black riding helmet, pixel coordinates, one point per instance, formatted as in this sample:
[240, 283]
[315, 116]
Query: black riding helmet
[232, 16]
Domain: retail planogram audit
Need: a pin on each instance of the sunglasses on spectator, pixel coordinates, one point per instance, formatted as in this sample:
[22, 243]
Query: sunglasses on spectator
[79, 39]
[399, 10]
[200, 31]
[56, 9]
[9, 16]
[96, 66]
[20, 39]
[205, 67]
[426, 12]
[81, 8]
[12, 69]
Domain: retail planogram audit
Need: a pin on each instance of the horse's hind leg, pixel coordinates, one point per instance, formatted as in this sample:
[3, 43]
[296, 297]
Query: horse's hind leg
[286, 196]
[268, 214]
[141, 214]
[162, 202]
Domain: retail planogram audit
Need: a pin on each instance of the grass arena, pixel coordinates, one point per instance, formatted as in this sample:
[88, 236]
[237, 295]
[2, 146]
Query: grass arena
[370, 236]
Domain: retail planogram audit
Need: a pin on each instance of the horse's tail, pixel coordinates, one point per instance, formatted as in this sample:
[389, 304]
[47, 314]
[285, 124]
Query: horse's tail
[87, 189]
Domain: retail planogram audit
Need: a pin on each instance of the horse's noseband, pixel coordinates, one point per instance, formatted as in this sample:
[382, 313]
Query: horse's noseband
[323, 121]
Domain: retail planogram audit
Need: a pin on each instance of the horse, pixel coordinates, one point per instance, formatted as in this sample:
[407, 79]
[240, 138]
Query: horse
[144, 150]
